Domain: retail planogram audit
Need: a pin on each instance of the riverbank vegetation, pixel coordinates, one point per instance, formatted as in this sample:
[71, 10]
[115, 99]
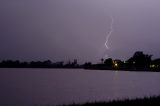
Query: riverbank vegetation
[148, 101]
[138, 62]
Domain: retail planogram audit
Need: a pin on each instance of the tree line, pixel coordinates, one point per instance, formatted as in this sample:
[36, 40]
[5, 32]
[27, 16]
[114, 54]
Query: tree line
[139, 61]
[38, 64]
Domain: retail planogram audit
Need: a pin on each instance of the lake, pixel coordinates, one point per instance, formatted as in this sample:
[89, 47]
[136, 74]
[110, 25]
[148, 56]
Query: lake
[29, 87]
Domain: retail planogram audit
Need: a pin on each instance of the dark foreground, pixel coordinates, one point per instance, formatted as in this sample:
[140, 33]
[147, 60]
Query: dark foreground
[151, 101]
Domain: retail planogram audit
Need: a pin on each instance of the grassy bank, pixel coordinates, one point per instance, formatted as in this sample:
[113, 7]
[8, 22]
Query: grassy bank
[151, 101]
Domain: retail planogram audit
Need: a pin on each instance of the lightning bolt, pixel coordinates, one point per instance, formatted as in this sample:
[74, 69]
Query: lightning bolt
[108, 35]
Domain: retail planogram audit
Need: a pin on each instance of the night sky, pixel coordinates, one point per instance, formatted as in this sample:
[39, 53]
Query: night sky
[68, 29]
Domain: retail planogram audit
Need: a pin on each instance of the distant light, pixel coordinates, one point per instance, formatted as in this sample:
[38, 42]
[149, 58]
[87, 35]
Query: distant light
[152, 66]
[134, 62]
[115, 64]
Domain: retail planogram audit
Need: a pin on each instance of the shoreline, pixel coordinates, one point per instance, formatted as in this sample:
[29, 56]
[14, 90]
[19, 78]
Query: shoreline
[104, 69]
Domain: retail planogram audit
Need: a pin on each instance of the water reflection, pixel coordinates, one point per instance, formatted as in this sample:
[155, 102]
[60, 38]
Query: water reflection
[58, 86]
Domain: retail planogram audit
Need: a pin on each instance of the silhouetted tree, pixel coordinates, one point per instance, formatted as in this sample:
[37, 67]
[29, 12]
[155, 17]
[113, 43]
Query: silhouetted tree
[24, 64]
[87, 65]
[108, 62]
[139, 60]
[74, 63]
[118, 64]
[102, 61]
[47, 63]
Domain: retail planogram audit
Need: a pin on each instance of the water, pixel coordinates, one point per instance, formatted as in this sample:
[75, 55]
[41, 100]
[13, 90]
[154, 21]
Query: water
[29, 87]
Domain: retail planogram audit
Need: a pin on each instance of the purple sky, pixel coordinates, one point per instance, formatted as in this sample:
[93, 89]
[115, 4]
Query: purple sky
[68, 29]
